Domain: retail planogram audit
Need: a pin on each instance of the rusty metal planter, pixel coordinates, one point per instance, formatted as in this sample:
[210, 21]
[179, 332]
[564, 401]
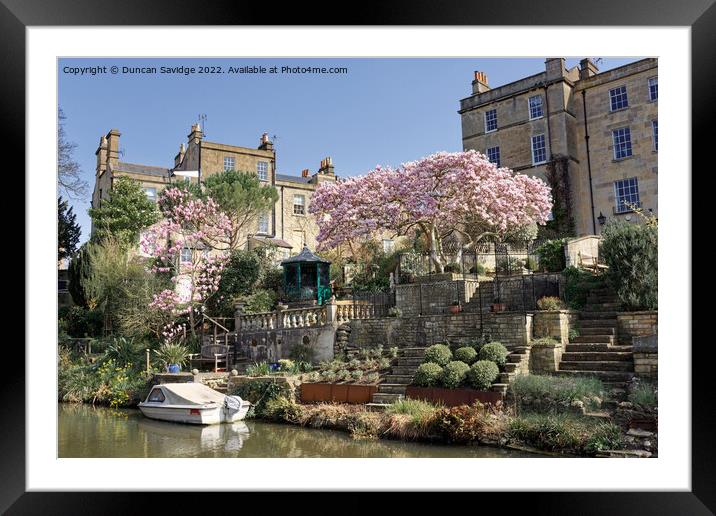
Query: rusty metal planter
[452, 397]
[337, 393]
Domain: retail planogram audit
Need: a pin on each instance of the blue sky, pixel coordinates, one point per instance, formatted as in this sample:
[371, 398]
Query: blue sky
[383, 111]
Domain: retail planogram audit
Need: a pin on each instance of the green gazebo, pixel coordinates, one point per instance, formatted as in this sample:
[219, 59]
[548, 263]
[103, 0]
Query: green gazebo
[306, 277]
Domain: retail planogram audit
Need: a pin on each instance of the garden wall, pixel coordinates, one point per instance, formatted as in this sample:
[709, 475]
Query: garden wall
[646, 356]
[271, 345]
[636, 324]
[555, 324]
[510, 328]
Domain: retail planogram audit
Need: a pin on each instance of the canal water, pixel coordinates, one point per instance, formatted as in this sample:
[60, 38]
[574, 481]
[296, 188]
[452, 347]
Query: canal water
[86, 431]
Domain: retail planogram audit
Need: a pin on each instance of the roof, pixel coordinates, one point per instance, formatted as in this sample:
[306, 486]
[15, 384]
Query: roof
[292, 179]
[273, 241]
[190, 394]
[147, 170]
[304, 256]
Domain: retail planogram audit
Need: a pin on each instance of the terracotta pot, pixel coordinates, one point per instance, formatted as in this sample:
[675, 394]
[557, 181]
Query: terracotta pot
[455, 309]
[498, 307]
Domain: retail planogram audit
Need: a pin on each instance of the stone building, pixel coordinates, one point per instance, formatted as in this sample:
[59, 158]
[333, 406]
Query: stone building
[592, 136]
[287, 225]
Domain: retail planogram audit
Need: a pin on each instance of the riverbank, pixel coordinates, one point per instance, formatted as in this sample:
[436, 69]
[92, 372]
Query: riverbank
[416, 421]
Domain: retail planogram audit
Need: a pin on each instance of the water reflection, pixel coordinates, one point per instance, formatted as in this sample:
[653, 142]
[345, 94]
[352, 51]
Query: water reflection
[86, 431]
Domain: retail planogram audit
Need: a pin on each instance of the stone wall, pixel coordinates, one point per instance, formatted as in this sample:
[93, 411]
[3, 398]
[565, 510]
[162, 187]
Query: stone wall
[646, 356]
[636, 324]
[545, 358]
[272, 345]
[555, 324]
[510, 328]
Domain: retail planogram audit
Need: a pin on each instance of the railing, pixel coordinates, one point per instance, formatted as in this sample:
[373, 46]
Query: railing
[291, 318]
[486, 259]
[349, 310]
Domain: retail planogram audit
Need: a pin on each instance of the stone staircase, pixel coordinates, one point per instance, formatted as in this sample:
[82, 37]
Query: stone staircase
[594, 352]
[517, 362]
[402, 371]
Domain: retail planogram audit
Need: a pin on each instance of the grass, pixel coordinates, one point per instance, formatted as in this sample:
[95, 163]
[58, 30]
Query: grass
[557, 389]
[557, 432]
[644, 396]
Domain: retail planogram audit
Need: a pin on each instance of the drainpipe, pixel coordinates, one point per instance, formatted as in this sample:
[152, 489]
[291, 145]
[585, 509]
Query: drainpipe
[282, 237]
[589, 162]
[549, 133]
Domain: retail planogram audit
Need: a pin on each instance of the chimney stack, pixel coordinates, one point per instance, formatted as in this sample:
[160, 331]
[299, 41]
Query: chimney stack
[101, 154]
[113, 146]
[265, 143]
[179, 157]
[326, 166]
[587, 68]
[554, 66]
[480, 84]
[195, 135]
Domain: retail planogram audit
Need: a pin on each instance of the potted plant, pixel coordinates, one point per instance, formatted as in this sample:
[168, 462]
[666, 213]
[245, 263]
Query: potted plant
[173, 356]
[455, 307]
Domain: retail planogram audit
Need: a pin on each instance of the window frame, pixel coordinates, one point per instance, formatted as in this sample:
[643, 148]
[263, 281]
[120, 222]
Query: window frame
[258, 171]
[487, 153]
[618, 198]
[544, 147]
[181, 255]
[615, 146]
[655, 134]
[648, 87]
[495, 120]
[541, 107]
[233, 163]
[611, 98]
[152, 198]
[302, 204]
[262, 217]
[391, 247]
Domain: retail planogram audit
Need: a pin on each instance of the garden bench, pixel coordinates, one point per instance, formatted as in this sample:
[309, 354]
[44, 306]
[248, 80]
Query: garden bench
[587, 261]
[217, 354]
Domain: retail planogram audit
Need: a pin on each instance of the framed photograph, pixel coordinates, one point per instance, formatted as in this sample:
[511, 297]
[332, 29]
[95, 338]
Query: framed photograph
[417, 254]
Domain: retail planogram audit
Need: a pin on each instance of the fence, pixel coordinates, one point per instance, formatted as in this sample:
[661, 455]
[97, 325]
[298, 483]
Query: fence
[483, 259]
[518, 293]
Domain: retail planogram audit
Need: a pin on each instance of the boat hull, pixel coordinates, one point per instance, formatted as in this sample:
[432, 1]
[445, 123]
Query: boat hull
[194, 415]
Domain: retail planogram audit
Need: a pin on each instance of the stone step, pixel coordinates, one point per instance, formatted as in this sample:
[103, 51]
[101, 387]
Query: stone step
[376, 407]
[600, 347]
[514, 359]
[592, 356]
[408, 361]
[592, 339]
[403, 370]
[506, 377]
[511, 367]
[412, 352]
[602, 307]
[403, 379]
[379, 397]
[597, 330]
[597, 323]
[499, 387]
[601, 365]
[605, 376]
[589, 315]
[392, 388]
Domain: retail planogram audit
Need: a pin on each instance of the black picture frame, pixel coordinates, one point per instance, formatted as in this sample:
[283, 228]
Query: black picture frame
[700, 15]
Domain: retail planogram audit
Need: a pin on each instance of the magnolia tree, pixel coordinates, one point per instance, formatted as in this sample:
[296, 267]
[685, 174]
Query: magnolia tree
[181, 244]
[440, 195]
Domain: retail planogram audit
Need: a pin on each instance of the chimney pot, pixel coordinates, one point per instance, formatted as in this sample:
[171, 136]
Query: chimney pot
[304, 172]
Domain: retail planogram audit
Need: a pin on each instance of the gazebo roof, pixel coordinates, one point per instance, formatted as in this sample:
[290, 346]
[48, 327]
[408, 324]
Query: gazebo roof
[305, 256]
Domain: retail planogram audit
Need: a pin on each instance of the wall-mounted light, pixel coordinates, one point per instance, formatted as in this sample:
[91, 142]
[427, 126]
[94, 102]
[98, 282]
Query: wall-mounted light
[602, 219]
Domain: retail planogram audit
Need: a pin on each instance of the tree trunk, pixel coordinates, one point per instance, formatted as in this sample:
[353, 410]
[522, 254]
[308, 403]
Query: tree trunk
[436, 251]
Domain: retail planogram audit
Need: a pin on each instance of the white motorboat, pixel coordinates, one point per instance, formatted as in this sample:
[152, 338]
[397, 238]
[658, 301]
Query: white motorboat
[192, 403]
